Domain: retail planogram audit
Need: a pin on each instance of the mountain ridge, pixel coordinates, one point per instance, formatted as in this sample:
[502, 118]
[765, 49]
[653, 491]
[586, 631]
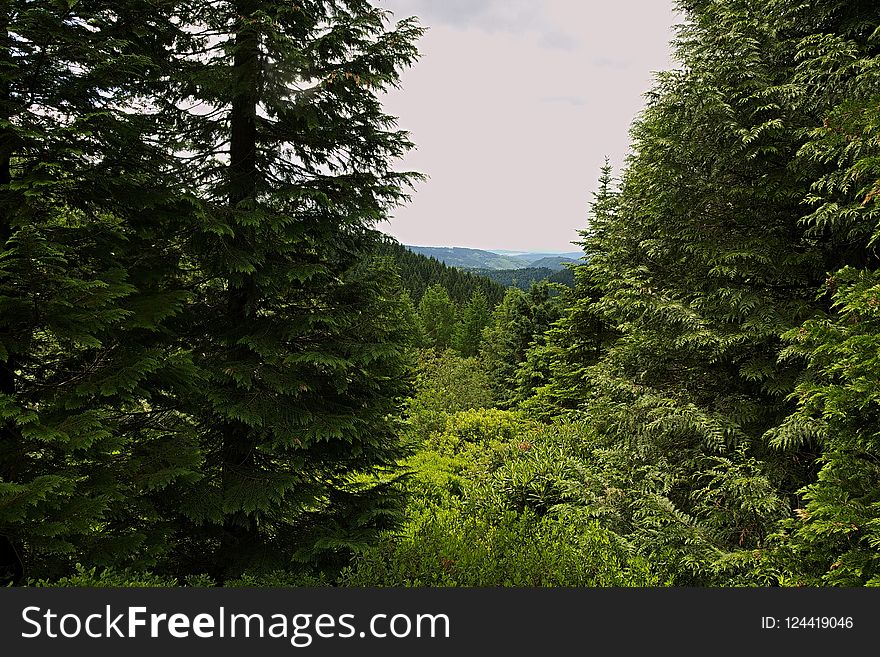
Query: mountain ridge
[469, 258]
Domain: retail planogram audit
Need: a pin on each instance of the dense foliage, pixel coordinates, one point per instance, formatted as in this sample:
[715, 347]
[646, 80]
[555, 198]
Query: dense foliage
[525, 277]
[202, 362]
[713, 341]
[419, 272]
[206, 352]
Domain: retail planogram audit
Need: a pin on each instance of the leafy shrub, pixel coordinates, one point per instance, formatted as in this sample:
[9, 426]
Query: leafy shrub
[446, 384]
[455, 547]
[111, 578]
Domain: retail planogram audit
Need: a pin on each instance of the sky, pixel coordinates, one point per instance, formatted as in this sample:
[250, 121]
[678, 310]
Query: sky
[513, 106]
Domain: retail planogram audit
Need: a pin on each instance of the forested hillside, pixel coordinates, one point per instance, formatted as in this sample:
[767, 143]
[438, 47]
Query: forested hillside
[456, 256]
[418, 272]
[214, 371]
[525, 277]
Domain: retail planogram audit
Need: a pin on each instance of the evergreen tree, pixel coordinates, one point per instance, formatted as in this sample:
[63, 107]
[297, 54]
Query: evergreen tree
[519, 323]
[525, 277]
[469, 331]
[437, 318]
[89, 276]
[577, 341]
[302, 343]
[701, 263]
[832, 537]
[420, 272]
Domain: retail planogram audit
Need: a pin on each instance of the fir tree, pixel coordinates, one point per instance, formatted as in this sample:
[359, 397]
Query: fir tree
[302, 344]
[474, 319]
[420, 272]
[832, 538]
[437, 318]
[88, 280]
[700, 263]
[518, 324]
[578, 340]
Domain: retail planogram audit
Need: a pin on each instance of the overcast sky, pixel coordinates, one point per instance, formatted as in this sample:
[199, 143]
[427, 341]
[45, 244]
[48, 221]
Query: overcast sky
[513, 106]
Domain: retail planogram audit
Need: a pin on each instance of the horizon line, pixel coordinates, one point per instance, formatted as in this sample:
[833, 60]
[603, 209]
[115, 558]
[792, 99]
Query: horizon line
[572, 248]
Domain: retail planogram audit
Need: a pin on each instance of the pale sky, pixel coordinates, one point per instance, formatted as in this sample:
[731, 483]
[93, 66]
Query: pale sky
[513, 107]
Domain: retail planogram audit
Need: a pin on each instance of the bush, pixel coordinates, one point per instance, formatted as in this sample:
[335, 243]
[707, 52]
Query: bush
[455, 547]
[446, 383]
[111, 578]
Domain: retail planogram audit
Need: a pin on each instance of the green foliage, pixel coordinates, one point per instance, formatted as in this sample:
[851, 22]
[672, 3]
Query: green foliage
[519, 324]
[453, 548]
[445, 383]
[111, 578]
[833, 538]
[474, 318]
[696, 264]
[206, 361]
[437, 317]
[577, 340]
[301, 333]
[202, 363]
[419, 272]
[90, 283]
[487, 510]
[523, 278]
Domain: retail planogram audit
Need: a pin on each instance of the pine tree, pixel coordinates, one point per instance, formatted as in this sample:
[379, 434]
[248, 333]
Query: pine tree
[302, 343]
[578, 340]
[700, 263]
[519, 323]
[419, 272]
[832, 538]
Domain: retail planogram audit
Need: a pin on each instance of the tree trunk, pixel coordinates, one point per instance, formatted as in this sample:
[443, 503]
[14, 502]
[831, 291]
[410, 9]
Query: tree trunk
[238, 445]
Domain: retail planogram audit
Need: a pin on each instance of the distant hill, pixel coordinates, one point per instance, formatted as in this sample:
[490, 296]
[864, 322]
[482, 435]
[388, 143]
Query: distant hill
[464, 258]
[532, 257]
[418, 272]
[556, 263]
[456, 256]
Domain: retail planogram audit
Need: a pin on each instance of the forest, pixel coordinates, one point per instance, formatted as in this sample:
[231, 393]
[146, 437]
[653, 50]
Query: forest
[216, 371]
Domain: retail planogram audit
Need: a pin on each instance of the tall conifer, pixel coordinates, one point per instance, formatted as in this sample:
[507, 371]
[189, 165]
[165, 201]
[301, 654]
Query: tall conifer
[701, 263]
[88, 278]
[302, 342]
[832, 538]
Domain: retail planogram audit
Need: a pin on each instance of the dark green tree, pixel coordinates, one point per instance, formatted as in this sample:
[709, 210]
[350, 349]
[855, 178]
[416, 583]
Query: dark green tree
[419, 272]
[578, 340]
[700, 264]
[832, 537]
[302, 342]
[89, 276]
[475, 317]
[518, 324]
[437, 318]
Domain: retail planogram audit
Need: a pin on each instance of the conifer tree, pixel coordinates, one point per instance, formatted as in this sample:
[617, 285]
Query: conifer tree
[437, 318]
[701, 263]
[88, 279]
[469, 330]
[302, 343]
[518, 324]
[832, 537]
[578, 340]
[419, 272]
